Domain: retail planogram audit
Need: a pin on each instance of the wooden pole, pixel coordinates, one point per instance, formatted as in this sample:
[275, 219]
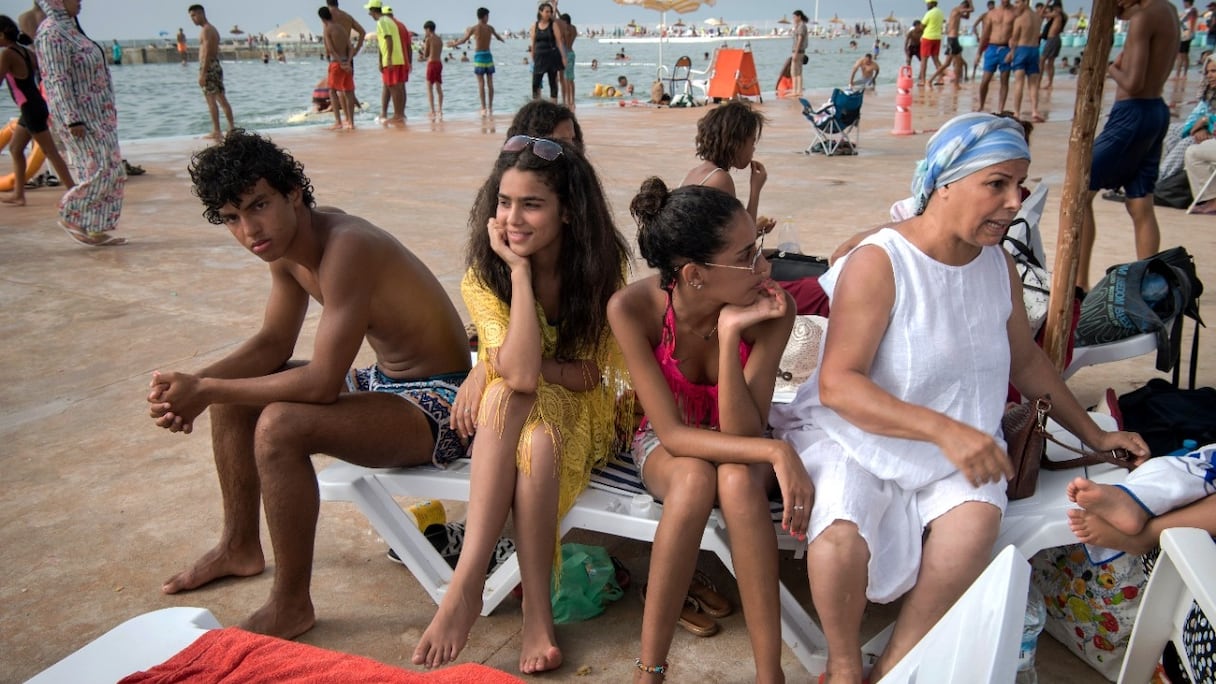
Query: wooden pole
[1090, 81]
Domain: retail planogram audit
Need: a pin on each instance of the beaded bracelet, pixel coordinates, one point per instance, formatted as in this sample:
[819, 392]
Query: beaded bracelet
[651, 669]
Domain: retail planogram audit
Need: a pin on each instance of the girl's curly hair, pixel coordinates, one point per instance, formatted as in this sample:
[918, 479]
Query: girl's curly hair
[593, 252]
[224, 173]
[726, 128]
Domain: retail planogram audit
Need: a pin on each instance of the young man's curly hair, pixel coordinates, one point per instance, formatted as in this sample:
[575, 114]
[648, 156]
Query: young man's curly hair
[725, 129]
[225, 172]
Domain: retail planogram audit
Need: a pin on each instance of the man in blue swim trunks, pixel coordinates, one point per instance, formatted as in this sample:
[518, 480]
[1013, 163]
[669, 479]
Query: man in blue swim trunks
[998, 25]
[1128, 151]
[269, 414]
[1023, 58]
[483, 61]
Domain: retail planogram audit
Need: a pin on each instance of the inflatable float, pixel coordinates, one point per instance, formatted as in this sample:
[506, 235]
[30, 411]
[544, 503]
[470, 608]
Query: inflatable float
[33, 161]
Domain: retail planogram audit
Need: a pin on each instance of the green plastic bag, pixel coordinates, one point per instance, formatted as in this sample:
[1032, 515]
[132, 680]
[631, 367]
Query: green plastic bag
[588, 584]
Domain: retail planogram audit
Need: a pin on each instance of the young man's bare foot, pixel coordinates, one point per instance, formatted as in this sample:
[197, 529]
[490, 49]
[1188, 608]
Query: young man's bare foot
[539, 652]
[13, 200]
[1090, 529]
[284, 622]
[335, 127]
[1113, 504]
[213, 135]
[213, 565]
[448, 632]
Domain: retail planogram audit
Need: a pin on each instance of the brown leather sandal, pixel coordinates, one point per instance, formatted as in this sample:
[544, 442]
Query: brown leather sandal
[691, 618]
[706, 594]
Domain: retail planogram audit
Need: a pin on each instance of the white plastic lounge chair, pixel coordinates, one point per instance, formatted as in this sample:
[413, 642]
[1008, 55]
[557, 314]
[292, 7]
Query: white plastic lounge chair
[1202, 191]
[137, 644]
[992, 609]
[1127, 348]
[1181, 577]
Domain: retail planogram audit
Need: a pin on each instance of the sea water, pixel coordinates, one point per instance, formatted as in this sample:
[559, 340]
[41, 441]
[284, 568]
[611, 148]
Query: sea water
[164, 100]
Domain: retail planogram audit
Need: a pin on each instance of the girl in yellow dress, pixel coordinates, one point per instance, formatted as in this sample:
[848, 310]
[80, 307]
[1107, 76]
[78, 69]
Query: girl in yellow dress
[544, 257]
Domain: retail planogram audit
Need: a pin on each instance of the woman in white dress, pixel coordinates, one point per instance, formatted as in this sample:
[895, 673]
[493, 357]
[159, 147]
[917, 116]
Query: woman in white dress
[900, 429]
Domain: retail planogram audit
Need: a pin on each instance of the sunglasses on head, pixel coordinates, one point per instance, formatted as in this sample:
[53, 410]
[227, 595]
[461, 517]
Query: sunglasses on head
[541, 147]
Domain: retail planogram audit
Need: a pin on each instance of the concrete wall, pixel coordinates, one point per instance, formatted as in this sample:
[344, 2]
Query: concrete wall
[155, 54]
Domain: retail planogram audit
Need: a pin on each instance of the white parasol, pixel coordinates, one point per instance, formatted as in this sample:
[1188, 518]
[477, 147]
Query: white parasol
[665, 6]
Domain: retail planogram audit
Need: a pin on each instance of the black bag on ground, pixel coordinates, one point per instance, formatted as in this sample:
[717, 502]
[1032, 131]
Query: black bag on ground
[1173, 191]
[788, 266]
[1165, 415]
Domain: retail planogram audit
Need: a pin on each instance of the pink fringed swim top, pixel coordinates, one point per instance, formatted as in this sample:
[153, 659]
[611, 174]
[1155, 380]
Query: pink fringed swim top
[698, 402]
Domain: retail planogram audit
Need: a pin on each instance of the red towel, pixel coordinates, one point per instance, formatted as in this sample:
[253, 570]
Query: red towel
[234, 655]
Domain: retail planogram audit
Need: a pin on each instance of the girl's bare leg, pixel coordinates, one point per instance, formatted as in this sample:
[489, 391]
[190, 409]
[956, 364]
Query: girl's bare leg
[47, 143]
[743, 496]
[687, 487]
[491, 494]
[536, 534]
[16, 149]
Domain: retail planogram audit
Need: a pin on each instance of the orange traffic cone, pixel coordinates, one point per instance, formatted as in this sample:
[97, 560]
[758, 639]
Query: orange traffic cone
[903, 102]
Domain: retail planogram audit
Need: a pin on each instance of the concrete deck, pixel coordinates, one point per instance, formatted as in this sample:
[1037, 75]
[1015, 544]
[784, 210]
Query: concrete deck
[98, 507]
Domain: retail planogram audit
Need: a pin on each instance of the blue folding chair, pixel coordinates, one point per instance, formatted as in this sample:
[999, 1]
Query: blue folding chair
[836, 125]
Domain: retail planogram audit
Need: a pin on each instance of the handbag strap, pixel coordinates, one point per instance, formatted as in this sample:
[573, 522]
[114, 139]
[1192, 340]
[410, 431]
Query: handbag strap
[1119, 457]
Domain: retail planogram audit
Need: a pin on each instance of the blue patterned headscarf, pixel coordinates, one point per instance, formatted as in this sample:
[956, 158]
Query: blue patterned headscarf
[964, 145]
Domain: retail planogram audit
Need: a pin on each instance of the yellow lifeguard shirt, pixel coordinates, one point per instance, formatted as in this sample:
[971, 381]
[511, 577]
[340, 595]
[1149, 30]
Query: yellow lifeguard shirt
[933, 20]
[386, 27]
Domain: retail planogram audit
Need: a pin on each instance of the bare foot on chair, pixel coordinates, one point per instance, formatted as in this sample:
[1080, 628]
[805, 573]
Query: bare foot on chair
[282, 621]
[448, 632]
[539, 652]
[1090, 529]
[216, 563]
[1110, 503]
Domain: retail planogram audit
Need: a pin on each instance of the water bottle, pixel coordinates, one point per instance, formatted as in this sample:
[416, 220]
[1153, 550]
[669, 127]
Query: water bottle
[1153, 288]
[1032, 626]
[787, 237]
[1188, 445]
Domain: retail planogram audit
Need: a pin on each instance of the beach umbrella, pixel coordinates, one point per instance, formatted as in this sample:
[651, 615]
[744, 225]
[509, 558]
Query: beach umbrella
[164, 34]
[235, 30]
[665, 6]
[714, 21]
[783, 20]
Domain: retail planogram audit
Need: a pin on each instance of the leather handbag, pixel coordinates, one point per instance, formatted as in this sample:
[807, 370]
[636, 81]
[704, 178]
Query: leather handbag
[1025, 429]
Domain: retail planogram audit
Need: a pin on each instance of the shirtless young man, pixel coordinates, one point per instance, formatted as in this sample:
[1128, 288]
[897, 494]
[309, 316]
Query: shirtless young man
[1128, 150]
[341, 79]
[270, 414]
[869, 72]
[998, 25]
[343, 18]
[977, 27]
[483, 61]
[1023, 58]
[954, 49]
[1051, 47]
[210, 73]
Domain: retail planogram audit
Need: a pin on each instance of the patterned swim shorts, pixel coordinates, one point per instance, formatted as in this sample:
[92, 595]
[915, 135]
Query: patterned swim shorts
[213, 78]
[433, 396]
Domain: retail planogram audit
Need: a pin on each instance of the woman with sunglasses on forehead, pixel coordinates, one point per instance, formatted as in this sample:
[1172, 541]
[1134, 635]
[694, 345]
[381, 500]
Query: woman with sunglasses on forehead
[702, 340]
[544, 257]
[900, 425]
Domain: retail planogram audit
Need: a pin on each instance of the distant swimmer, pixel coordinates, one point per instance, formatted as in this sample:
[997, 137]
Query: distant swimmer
[210, 73]
[483, 60]
[869, 72]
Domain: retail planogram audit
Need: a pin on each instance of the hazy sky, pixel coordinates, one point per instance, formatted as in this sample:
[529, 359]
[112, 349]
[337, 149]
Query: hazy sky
[129, 19]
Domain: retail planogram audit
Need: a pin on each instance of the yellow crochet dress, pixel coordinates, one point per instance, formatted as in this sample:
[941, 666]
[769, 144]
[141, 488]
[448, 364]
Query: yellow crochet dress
[585, 426]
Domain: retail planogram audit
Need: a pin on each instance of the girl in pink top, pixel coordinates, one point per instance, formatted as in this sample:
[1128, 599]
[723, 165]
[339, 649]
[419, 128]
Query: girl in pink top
[702, 341]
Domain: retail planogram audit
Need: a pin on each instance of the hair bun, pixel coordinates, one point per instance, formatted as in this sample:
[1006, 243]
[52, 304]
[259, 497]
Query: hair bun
[649, 201]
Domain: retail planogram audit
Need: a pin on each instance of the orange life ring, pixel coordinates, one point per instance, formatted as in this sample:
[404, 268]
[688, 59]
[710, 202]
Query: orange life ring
[32, 163]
